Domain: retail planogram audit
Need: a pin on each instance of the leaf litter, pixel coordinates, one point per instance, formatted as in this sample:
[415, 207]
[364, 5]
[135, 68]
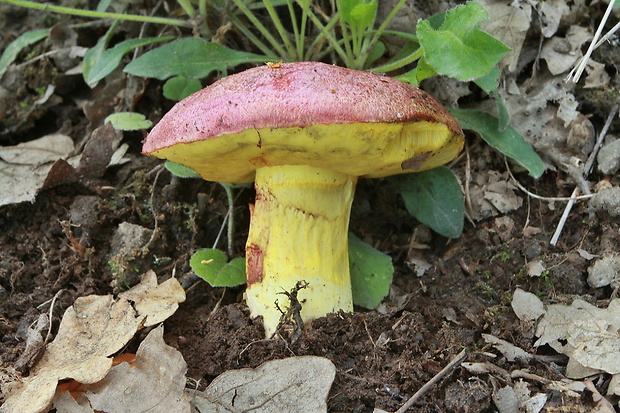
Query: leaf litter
[90, 333]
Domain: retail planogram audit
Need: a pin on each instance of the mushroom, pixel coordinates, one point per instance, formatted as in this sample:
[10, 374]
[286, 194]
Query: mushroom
[303, 133]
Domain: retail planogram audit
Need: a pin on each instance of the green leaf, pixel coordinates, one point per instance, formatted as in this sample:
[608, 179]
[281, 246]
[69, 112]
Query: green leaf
[179, 87]
[422, 71]
[371, 273]
[434, 198]
[502, 111]
[507, 141]
[458, 48]
[103, 5]
[190, 57]
[490, 81]
[233, 273]
[100, 62]
[358, 13]
[129, 121]
[12, 49]
[408, 54]
[181, 171]
[210, 265]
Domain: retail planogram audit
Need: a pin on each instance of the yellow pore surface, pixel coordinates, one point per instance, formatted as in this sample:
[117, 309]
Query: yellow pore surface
[358, 149]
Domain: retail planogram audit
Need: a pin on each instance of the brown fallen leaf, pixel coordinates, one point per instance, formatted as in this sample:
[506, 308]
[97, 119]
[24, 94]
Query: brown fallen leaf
[292, 385]
[154, 382]
[91, 331]
[155, 302]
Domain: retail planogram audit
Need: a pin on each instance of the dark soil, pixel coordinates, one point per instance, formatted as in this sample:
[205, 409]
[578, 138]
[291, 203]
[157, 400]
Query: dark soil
[64, 242]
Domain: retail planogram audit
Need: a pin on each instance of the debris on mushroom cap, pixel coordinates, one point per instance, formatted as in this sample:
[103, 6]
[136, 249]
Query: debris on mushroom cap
[355, 122]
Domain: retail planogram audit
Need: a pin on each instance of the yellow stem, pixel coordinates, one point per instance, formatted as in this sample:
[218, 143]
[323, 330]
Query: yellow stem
[298, 232]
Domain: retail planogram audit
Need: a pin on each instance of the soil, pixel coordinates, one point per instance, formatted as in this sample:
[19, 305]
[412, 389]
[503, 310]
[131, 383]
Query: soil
[63, 244]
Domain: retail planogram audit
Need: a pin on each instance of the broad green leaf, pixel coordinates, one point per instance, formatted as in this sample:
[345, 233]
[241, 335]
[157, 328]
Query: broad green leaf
[490, 81]
[179, 87]
[507, 141]
[371, 273]
[129, 121]
[502, 111]
[207, 264]
[93, 55]
[434, 198]
[422, 71]
[99, 63]
[233, 273]
[190, 57]
[361, 15]
[458, 48]
[12, 49]
[179, 170]
[103, 5]
[377, 51]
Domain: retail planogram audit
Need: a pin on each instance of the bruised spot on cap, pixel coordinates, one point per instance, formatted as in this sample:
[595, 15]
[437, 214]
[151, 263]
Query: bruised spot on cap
[415, 163]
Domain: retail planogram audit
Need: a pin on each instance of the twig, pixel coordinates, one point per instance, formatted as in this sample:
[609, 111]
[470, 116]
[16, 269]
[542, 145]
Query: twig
[599, 142]
[586, 171]
[155, 233]
[540, 197]
[219, 234]
[564, 217]
[577, 71]
[444, 372]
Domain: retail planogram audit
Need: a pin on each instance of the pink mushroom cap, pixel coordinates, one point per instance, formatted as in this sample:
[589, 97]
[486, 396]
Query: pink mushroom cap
[283, 114]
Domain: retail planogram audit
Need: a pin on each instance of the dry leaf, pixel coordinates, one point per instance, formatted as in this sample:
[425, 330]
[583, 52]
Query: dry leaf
[510, 351]
[526, 305]
[597, 75]
[492, 194]
[155, 382]
[292, 385]
[25, 167]
[508, 22]
[604, 271]
[585, 333]
[155, 302]
[535, 268]
[551, 12]
[561, 53]
[91, 331]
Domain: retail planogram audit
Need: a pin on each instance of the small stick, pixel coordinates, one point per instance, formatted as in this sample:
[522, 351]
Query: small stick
[540, 197]
[586, 171]
[444, 372]
[560, 227]
[50, 316]
[575, 74]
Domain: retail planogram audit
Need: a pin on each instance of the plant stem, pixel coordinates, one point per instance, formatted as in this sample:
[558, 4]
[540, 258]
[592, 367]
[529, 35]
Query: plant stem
[349, 53]
[186, 5]
[97, 14]
[381, 29]
[330, 38]
[388, 67]
[278, 48]
[231, 218]
[299, 37]
[202, 9]
[248, 33]
[313, 49]
[275, 19]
